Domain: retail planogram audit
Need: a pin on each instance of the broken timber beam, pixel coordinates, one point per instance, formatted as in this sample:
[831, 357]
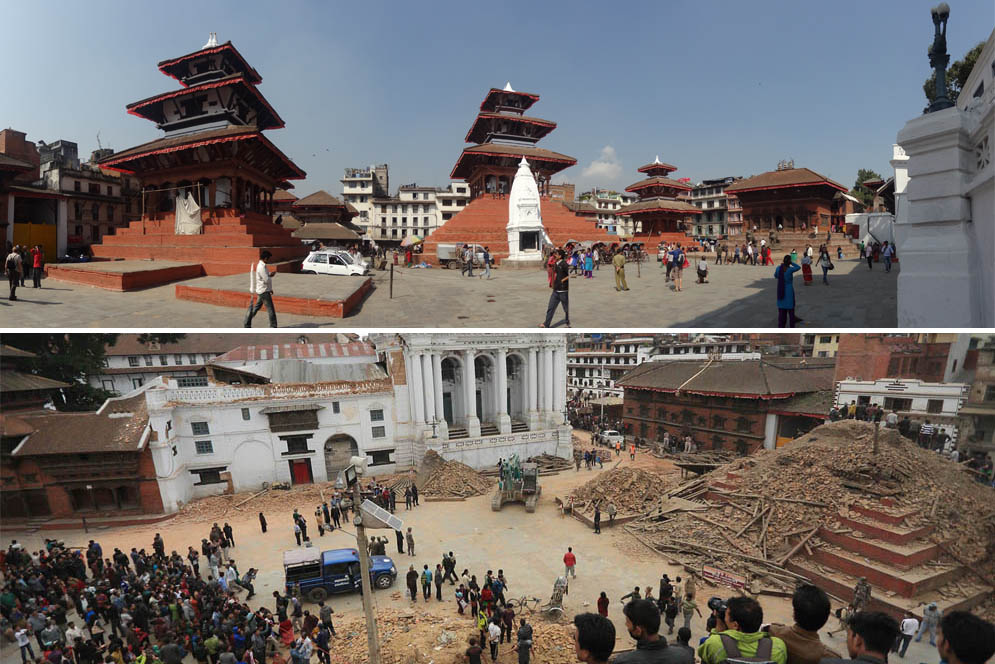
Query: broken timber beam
[798, 546]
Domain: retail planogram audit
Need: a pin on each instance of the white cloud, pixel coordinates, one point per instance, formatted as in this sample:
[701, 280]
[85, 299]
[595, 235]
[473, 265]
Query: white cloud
[605, 167]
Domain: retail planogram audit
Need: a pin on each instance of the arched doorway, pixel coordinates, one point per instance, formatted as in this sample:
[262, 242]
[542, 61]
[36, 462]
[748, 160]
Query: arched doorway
[486, 388]
[453, 410]
[517, 387]
[339, 450]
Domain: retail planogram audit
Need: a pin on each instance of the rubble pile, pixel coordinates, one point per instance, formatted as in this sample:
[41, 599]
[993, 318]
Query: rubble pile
[633, 490]
[451, 478]
[784, 495]
[407, 637]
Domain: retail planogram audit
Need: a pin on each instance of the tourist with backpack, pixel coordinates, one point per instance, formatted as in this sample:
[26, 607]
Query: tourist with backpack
[13, 266]
[737, 638]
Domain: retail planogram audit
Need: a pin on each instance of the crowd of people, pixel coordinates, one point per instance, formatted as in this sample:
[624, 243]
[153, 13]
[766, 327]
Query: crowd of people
[21, 262]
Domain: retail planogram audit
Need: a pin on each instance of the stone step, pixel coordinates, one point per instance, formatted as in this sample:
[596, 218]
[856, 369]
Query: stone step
[900, 556]
[903, 582]
[208, 240]
[882, 514]
[840, 585]
[885, 532]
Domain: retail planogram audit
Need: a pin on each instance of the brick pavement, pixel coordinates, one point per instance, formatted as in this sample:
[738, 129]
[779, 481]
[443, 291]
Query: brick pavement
[737, 296]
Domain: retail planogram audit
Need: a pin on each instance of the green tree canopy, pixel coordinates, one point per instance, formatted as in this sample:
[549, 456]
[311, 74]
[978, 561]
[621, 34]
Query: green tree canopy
[73, 358]
[957, 74]
[859, 191]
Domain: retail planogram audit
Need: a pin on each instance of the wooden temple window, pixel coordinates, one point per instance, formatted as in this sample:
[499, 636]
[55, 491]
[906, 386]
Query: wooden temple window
[743, 424]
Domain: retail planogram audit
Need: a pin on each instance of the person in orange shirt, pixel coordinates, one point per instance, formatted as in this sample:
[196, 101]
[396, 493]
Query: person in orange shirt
[632, 452]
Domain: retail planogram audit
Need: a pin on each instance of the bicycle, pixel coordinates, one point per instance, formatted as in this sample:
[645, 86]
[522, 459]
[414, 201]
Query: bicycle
[524, 602]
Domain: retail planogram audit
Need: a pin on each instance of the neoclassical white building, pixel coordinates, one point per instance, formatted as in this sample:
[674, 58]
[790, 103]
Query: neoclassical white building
[477, 398]
[299, 415]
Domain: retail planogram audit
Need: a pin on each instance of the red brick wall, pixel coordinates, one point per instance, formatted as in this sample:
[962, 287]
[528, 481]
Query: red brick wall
[706, 431]
[149, 496]
[876, 356]
[14, 144]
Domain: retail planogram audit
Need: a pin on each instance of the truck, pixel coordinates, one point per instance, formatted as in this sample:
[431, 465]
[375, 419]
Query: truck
[519, 484]
[449, 255]
[319, 574]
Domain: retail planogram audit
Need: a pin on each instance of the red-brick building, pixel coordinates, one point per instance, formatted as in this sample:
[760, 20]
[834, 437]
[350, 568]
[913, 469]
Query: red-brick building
[876, 356]
[59, 465]
[741, 405]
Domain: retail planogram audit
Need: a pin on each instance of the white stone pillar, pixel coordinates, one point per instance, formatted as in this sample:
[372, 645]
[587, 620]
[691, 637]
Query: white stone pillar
[547, 384]
[533, 389]
[945, 276]
[428, 382]
[470, 380]
[504, 419]
[440, 412]
[417, 388]
[559, 386]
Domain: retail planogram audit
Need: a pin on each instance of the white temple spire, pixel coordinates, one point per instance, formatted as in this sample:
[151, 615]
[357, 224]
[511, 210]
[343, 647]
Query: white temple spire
[508, 88]
[657, 160]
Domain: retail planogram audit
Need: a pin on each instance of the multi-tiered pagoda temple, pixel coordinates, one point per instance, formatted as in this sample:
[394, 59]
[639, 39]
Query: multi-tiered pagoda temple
[503, 136]
[208, 183]
[659, 214]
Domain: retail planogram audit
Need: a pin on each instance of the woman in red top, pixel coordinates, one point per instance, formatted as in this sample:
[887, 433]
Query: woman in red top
[603, 604]
[37, 262]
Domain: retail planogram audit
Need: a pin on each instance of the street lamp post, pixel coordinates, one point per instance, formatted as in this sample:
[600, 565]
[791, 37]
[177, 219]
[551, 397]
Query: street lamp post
[372, 636]
[939, 58]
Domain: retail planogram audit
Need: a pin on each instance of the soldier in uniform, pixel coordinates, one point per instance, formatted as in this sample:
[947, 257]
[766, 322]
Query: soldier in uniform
[861, 595]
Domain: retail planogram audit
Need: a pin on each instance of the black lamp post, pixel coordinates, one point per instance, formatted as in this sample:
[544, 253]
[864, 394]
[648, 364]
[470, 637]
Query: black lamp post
[939, 58]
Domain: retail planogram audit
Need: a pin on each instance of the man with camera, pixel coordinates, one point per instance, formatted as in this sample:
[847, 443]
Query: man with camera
[737, 637]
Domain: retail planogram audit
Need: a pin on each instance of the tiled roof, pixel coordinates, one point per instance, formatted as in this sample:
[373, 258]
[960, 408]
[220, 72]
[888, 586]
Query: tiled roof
[658, 181]
[166, 65]
[18, 381]
[750, 379]
[656, 164]
[11, 426]
[658, 205]
[325, 231]
[581, 208]
[10, 351]
[283, 195]
[789, 177]
[318, 199]
[476, 131]
[210, 342]
[82, 433]
[490, 103]
[811, 403]
[533, 154]
[268, 117]
[10, 163]
[257, 352]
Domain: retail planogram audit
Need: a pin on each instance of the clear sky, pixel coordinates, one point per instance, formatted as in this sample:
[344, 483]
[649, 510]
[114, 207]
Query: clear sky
[715, 88]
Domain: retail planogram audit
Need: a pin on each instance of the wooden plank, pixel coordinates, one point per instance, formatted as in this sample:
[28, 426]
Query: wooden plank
[798, 546]
[748, 524]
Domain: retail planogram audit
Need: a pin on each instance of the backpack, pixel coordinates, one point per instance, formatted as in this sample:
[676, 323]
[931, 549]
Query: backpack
[733, 656]
[11, 264]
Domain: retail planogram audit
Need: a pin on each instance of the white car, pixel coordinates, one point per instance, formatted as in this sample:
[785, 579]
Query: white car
[333, 262]
[610, 437]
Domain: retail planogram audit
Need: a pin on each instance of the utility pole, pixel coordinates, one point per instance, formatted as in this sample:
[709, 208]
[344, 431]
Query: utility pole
[372, 636]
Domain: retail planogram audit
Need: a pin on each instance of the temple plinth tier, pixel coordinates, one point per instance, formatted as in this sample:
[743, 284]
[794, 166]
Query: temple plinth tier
[502, 135]
[658, 214]
[213, 166]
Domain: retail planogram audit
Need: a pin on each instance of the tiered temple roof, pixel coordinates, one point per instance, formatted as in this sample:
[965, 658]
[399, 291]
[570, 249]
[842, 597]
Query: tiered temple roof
[658, 210]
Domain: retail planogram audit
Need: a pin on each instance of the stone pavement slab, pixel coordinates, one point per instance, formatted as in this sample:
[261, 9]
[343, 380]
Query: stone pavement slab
[741, 296]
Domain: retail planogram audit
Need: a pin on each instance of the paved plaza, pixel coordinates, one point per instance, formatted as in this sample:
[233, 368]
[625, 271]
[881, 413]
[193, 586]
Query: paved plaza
[736, 296]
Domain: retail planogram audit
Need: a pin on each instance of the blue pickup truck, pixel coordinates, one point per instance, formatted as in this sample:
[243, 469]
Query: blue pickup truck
[320, 574]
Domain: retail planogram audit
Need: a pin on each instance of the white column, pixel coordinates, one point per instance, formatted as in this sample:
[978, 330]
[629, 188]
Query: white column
[417, 388]
[547, 382]
[770, 431]
[504, 419]
[470, 380]
[440, 413]
[533, 389]
[428, 382]
[559, 386]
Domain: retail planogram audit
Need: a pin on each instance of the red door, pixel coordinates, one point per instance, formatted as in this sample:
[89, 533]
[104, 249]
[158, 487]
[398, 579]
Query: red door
[300, 471]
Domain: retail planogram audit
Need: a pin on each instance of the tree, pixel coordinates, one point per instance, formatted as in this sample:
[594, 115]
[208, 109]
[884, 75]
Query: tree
[859, 191]
[73, 358]
[957, 74]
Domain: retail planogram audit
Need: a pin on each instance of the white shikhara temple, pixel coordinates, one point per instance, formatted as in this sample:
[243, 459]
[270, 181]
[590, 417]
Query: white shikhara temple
[298, 412]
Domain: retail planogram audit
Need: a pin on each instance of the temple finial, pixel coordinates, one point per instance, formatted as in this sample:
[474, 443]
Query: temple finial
[508, 88]
[212, 40]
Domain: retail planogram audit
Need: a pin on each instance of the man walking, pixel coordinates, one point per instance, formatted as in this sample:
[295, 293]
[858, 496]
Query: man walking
[13, 267]
[487, 263]
[618, 261]
[412, 580]
[261, 286]
[909, 627]
[561, 292]
[411, 542]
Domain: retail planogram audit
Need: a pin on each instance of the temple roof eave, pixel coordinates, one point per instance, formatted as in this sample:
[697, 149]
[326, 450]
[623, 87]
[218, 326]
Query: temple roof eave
[136, 108]
[538, 157]
[658, 182]
[251, 73]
